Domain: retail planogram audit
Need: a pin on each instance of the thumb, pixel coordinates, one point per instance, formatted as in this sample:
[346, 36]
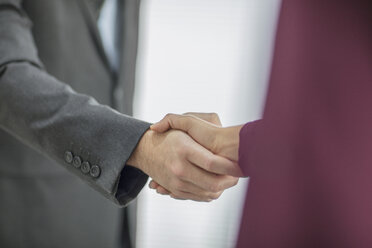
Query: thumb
[161, 126]
[173, 121]
[201, 131]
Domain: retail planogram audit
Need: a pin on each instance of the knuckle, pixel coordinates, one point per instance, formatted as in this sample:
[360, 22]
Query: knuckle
[215, 196]
[167, 116]
[232, 181]
[160, 191]
[215, 187]
[178, 171]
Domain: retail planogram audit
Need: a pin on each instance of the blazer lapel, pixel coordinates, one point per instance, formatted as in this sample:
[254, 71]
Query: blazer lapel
[90, 10]
[96, 6]
[127, 28]
[128, 39]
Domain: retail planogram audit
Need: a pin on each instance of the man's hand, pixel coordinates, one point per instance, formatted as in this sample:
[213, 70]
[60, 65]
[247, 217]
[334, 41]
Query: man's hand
[184, 168]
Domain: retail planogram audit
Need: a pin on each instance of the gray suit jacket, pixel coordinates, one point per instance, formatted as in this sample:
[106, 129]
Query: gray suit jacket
[59, 132]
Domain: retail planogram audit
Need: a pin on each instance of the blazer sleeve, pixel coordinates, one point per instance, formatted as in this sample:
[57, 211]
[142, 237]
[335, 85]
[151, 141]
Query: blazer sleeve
[246, 145]
[90, 140]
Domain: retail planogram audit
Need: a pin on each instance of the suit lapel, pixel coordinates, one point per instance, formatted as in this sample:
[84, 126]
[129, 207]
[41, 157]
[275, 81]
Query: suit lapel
[123, 81]
[96, 6]
[128, 39]
[90, 10]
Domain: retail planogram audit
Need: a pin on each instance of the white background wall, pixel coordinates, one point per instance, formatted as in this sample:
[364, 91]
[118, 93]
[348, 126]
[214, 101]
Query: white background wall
[205, 56]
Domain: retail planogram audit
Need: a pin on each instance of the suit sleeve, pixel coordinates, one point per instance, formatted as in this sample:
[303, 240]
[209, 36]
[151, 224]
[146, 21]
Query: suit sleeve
[90, 140]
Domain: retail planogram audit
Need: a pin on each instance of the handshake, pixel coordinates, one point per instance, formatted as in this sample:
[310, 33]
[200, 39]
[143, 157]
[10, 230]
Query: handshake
[190, 156]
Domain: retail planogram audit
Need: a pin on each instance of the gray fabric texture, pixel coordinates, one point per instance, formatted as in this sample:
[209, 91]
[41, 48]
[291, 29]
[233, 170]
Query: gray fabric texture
[57, 95]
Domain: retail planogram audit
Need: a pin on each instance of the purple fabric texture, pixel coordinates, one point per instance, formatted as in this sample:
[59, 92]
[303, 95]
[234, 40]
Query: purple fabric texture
[310, 158]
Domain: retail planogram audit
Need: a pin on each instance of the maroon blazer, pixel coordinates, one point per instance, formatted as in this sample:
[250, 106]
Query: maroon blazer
[310, 159]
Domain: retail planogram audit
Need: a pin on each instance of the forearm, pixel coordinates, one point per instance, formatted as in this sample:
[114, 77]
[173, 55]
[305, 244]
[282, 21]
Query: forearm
[49, 116]
[53, 119]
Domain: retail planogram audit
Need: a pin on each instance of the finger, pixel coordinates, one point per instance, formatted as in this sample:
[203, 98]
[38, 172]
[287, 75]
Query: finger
[184, 186]
[188, 196]
[209, 117]
[161, 126]
[180, 122]
[205, 180]
[161, 190]
[189, 187]
[213, 163]
[201, 131]
[153, 184]
[214, 183]
[166, 123]
[172, 121]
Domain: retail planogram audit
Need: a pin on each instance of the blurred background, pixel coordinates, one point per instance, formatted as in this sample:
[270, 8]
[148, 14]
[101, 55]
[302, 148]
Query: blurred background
[202, 56]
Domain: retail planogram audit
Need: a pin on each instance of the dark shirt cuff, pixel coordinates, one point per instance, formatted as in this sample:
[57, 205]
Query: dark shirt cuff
[131, 182]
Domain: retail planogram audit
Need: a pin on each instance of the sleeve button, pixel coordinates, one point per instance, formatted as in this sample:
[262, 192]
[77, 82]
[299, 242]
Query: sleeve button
[95, 171]
[85, 167]
[77, 161]
[68, 157]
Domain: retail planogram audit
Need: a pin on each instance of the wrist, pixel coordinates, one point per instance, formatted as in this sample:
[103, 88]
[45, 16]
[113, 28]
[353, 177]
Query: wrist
[138, 157]
[228, 142]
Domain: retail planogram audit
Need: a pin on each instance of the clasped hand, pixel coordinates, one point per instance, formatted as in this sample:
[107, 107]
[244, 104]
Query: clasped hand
[189, 156]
